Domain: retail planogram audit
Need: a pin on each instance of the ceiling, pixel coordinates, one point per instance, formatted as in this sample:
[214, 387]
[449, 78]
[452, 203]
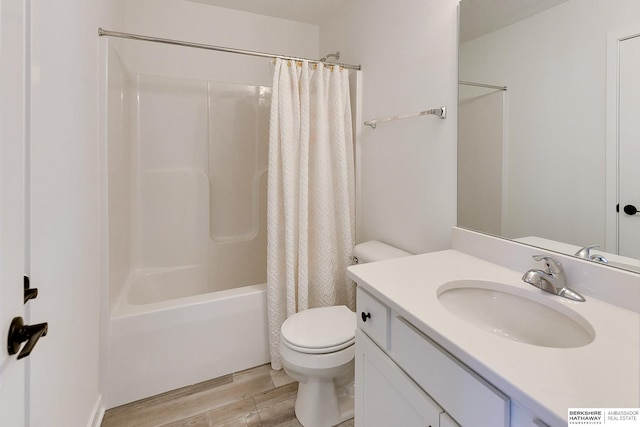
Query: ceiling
[309, 11]
[478, 17]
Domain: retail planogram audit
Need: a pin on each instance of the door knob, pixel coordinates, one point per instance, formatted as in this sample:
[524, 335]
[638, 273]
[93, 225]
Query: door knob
[19, 333]
[630, 210]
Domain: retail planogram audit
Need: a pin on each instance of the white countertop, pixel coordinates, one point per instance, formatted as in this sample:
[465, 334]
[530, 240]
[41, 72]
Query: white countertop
[546, 381]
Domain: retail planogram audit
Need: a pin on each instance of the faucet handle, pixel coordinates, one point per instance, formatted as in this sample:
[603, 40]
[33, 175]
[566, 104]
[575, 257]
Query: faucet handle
[553, 265]
[586, 251]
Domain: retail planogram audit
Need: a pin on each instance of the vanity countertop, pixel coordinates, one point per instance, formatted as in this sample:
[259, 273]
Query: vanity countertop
[546, 381]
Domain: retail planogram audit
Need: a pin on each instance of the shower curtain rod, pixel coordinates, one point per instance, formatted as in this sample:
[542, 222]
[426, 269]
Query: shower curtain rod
[108, 33]
[482, 85]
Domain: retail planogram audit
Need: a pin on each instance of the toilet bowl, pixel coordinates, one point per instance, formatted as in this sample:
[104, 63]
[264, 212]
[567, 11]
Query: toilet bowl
[317, 349]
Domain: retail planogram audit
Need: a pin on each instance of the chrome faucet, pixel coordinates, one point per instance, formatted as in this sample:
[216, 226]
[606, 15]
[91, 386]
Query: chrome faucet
[586, 254]
[552, 280]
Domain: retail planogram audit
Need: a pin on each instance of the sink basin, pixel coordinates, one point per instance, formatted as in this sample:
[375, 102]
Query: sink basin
[515, 314]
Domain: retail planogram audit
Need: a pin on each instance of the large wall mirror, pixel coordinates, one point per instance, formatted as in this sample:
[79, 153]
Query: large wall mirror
[549, 124]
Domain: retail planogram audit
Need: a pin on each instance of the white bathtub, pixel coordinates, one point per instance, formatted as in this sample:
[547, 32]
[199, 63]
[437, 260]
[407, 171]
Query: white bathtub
[168, 331]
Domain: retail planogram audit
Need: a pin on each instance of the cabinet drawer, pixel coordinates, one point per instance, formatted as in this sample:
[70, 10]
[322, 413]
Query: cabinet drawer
[469, 399]
[373, 318]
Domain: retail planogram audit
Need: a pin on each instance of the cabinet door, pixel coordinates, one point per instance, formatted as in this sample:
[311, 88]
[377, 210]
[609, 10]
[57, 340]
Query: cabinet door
[470, 400]
[386, 396]
[447, 421]
[522, 417]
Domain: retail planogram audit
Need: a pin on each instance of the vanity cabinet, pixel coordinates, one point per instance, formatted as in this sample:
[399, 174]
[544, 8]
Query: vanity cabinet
[404, 378]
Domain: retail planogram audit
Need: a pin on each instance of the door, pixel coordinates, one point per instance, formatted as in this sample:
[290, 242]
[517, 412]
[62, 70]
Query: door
[629, 149]
[12, 200]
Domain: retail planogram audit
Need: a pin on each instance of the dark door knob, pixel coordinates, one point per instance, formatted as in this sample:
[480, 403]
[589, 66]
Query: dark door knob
[630, 210]
[19, 333]
[365, 316]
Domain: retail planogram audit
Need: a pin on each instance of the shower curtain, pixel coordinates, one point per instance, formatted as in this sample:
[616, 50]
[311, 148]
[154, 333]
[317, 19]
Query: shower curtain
[310, 210]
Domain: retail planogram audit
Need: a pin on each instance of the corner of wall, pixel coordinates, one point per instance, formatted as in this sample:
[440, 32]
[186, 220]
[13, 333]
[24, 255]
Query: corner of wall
[97, 414]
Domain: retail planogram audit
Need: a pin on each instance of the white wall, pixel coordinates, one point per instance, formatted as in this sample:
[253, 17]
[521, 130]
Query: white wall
[201, 23]
[65, 221]
[554, 64]
[408, 52]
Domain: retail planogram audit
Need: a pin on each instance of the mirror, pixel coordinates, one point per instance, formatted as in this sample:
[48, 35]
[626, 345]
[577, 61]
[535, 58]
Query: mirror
[535, 148]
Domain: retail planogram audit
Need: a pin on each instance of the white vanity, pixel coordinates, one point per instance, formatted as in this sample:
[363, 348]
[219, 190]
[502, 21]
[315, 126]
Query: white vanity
[392, 367]
[421, 362]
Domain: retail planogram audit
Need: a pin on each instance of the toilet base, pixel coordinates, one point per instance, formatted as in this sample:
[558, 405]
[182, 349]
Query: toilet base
[320, 403]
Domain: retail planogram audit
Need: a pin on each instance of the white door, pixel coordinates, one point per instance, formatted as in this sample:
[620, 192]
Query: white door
[12, 209]
[629, 149]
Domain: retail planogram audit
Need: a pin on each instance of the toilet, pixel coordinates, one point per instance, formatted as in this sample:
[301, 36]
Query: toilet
[317, 350]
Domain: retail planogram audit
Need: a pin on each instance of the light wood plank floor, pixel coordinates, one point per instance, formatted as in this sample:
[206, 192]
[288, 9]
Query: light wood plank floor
[257, 397]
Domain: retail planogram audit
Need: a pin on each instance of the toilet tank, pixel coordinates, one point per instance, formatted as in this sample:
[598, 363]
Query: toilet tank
[374, 250]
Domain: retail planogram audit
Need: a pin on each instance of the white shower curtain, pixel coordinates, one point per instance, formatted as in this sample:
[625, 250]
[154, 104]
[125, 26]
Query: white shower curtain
[310, 211]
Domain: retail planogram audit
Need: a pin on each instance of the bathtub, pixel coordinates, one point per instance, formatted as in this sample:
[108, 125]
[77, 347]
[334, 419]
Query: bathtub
[169, 330]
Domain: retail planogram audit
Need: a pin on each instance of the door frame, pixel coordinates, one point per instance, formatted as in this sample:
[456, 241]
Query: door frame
[14, 193]
[612, 135]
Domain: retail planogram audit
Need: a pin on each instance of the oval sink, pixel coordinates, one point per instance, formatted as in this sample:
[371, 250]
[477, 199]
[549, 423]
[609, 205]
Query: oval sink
[508, 312]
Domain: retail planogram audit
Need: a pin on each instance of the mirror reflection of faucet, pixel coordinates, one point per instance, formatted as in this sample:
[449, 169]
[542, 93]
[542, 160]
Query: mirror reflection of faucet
[585, 253]
[552, 280]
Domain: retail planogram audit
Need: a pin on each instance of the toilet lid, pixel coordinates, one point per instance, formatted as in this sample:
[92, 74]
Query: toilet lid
[320, 330]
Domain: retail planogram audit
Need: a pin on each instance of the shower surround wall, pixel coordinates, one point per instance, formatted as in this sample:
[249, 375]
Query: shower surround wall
[188, 179]
[199, 171]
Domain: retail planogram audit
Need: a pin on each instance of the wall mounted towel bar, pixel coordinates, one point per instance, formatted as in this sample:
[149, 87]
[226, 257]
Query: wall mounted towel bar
[440, 112]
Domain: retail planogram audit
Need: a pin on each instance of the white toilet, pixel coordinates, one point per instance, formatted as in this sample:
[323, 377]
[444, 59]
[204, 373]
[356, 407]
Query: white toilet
[317, 350]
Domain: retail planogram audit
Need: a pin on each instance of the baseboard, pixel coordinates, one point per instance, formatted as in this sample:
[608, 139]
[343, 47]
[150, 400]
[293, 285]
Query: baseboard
[97, 414]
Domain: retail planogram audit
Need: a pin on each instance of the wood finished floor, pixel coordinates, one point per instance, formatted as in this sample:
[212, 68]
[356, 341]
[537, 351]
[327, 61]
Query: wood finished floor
[257, 397]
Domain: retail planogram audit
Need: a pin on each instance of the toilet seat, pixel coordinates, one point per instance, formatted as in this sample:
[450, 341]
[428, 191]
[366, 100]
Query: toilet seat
[318, 350]
[320, 330]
